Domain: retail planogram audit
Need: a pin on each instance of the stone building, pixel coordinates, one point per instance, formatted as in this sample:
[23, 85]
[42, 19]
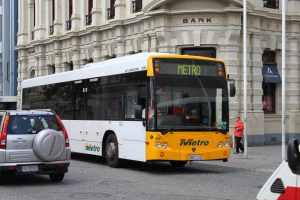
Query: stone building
[60, 35]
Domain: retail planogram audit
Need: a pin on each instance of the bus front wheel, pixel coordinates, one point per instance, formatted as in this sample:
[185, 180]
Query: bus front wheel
[112, 151]
[178, 163]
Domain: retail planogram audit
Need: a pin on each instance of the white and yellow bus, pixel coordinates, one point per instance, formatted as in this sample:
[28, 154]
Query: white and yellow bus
[142, 107]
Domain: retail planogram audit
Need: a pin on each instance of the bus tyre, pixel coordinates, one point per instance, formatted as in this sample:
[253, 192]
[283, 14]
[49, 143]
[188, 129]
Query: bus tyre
[178, 163]
[57, 177]
[112, 151]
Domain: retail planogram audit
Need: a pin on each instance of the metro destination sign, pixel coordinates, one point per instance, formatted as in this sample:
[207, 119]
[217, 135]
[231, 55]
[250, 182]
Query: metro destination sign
[189, 67]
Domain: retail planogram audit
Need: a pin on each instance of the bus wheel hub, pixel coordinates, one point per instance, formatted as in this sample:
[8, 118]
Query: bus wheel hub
[111, 150]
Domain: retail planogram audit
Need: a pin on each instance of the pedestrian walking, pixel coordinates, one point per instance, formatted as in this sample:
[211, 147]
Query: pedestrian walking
[238, 135]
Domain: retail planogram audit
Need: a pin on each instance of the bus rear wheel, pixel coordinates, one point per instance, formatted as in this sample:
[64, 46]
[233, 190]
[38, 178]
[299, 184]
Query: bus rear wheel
[178, 163]
[112, 151]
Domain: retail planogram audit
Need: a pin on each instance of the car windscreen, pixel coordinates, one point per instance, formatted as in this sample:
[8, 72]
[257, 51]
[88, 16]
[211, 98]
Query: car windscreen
[31, 124]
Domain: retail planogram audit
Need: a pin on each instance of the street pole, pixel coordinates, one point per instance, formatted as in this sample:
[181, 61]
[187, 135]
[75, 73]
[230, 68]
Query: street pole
[283, 78]
[245, 74]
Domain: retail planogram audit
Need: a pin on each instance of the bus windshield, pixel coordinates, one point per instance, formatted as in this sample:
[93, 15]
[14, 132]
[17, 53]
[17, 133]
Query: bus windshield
[190, 103]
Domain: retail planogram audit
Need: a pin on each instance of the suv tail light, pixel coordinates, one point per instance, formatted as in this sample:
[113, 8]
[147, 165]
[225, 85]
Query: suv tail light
[67, 144]
[3, 135]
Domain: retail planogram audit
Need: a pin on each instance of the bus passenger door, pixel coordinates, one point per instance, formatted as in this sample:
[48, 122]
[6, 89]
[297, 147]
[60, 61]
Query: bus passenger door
[92, 134]
[75, 125]
[133, 129]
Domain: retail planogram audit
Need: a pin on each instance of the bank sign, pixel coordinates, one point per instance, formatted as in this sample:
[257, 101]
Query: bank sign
[197, 20]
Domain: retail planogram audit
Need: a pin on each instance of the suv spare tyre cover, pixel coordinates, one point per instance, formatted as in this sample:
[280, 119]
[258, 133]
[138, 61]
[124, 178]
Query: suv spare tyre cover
[49, 144]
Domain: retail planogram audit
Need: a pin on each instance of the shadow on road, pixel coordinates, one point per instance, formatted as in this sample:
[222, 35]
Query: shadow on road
[26, 180]
[160, 167]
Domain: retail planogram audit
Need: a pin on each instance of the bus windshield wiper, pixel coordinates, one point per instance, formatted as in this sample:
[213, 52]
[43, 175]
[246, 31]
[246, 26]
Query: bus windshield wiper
[164, 132]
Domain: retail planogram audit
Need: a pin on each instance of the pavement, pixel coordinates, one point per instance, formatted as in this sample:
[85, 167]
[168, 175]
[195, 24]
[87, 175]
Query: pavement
[259, 158]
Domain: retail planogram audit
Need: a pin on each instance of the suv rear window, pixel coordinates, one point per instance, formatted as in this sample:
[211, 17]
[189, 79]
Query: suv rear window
[31, 124]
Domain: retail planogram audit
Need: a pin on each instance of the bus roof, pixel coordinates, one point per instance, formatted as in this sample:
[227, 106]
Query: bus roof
[120, 65]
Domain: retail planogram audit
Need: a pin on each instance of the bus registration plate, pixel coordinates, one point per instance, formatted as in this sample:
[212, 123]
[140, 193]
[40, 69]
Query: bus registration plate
[195, 157]
[30, 168]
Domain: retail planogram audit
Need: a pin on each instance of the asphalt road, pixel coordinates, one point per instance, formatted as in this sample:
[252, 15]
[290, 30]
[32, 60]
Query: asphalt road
[90, 178]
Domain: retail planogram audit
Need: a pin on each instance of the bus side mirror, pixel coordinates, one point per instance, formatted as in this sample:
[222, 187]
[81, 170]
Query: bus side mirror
[293, 156]
[232, 89]
[138, 111]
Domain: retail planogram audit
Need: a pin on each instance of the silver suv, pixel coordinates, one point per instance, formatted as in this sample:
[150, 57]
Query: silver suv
[33, 142]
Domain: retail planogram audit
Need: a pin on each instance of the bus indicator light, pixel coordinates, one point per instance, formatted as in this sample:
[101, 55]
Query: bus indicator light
[162, 154]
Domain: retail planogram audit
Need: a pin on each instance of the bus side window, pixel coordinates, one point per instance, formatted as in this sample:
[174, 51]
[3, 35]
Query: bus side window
[130, 101]
[135, 95]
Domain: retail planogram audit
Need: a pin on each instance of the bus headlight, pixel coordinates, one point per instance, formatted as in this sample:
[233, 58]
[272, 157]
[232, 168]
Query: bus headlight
[220, 145]
[226, 144]
[158, 145]
[164, 145]
[161, 145]
[223, 144]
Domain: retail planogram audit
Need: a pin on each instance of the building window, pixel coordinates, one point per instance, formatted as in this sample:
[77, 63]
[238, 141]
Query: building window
[269, 97]
[53, 11]
[34, 10]
[270, 81]
[111, 10]
[137, 5]
[88, 17]
[51, 27]
[52, 69]
[70, 8]
[207, 52]
[32, 30]
[71, 67]
[271, 4]
[69, 21]
[32, 74]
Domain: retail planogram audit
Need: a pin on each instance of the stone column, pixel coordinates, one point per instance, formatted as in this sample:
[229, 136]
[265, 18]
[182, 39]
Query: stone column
[146, 43]
[58, 62]
[255, 114]
[120, 41]
[76, 15]
[30, 6]
[41, 65]
[292, 81]
[97, 18]
[22, 75]
[23, 22]
[58, 21]
[153, 43]
[120, 7]
[40, 31]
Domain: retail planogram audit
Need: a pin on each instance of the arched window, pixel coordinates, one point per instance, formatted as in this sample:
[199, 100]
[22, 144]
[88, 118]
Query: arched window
[32, 74]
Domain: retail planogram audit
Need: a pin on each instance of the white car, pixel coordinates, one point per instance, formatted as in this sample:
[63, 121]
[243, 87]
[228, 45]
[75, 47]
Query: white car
[284, 184]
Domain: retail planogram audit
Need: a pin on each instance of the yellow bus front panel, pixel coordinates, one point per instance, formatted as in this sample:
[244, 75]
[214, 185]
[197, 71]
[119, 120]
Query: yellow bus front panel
[186, 146]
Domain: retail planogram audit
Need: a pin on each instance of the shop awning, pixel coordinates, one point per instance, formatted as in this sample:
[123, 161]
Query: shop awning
[270, 73]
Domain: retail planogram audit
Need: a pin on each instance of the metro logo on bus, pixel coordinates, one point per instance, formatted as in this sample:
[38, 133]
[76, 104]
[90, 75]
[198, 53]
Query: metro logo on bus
[192, 142]
[89, 147]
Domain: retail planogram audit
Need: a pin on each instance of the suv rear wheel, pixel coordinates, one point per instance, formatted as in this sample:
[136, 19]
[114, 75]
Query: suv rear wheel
[57, 177]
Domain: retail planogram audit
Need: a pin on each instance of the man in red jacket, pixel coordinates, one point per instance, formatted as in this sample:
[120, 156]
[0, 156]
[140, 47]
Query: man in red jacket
[238, 135]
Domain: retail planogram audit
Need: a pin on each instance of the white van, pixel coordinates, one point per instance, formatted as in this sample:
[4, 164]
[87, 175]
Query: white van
[284, 184]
